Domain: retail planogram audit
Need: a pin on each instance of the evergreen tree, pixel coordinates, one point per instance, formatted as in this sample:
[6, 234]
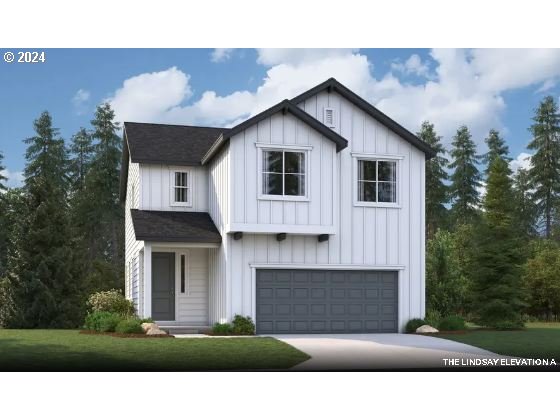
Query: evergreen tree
[81, 149]
[3, 221]
[497, 147]
[465, 179]
[497, 292]
[436, 175]
[525, 207]
[46, 293]
[545, 171]
[99, 215]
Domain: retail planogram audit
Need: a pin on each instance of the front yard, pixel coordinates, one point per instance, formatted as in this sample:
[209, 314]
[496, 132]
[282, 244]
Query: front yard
[538, 340]
[68, 350]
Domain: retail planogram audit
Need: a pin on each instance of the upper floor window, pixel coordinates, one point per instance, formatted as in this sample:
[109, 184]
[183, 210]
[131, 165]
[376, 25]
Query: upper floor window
[284, 173]
[377, 181]
[181, 188]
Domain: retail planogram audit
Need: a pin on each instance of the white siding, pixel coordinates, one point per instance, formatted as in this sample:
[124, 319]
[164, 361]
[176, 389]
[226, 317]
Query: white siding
[219, 210]
[366, 236]
[192, 306]
[282, 130]
[132, 246]
[156, 188]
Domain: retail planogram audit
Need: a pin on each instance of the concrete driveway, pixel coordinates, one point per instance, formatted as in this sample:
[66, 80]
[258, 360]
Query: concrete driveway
[378, 351]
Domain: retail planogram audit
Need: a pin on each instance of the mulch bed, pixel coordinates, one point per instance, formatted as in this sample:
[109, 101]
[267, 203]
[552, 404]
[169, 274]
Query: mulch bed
[113, 334]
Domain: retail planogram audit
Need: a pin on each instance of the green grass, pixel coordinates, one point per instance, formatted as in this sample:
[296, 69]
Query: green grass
[67, 350]
[538, 340]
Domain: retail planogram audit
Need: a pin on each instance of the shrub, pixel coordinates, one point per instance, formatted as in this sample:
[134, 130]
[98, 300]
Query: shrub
[243, 325]
[146, 320]
[111, 301]
[413, 324]
[452, 323]
[221, 329]
[129, 326]
[433, 317]
[510, 325]
[102, 321]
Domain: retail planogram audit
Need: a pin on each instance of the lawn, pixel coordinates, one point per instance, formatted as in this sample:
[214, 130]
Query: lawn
[538, 340]
[67, 350]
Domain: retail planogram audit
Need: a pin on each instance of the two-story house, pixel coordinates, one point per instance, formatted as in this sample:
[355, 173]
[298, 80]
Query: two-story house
[308, 217]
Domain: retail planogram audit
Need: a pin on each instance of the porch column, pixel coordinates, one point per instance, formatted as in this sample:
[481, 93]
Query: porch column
[147, 280]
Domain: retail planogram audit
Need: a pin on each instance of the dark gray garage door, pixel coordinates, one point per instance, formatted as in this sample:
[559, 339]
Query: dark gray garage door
[326, 301]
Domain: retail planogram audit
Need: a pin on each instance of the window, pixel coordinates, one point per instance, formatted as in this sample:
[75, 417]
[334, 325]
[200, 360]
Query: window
[183, 272]
[377, 181]
[181, 190]
[283, 173]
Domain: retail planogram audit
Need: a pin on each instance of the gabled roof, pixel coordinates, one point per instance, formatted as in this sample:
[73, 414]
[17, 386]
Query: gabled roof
[174, 226]
[334, 85]
[169, 144]
[285, 106]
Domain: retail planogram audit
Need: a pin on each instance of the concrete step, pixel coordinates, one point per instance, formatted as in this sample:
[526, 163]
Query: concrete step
[179, 329]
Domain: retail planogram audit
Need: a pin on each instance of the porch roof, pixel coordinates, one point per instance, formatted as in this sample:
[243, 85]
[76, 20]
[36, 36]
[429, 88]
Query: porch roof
[174, 226]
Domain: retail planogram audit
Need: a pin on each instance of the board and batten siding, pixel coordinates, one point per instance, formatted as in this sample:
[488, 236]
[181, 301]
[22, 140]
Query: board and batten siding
[132, 246]
[219, 193]
[156, 187]
[282, 130]
[375, 237]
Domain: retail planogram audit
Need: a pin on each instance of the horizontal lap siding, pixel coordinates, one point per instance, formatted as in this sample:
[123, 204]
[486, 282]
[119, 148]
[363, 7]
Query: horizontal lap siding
[132, 246]
[193, 304]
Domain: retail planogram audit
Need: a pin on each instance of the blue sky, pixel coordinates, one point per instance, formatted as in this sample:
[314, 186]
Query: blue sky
[480, 88]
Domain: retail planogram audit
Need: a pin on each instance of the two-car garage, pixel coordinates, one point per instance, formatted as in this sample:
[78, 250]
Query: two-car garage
[296, 301]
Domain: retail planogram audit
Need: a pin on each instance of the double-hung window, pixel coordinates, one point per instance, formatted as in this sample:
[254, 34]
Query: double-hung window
[284, 173]
[377, 181]
[181, 188]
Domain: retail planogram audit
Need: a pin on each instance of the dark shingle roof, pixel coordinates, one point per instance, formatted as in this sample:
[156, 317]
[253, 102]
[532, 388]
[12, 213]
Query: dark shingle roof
[169, 144]
[174, 226]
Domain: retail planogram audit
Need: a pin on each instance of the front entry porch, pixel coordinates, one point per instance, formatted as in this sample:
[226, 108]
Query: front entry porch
[176, 286]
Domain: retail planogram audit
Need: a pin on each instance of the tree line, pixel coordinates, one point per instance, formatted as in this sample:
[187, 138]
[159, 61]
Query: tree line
[494, 258]
[62, 233]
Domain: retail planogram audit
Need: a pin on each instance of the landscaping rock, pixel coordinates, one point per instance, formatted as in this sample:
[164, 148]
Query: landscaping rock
[146, 326]
[155, 331]
[426, 329]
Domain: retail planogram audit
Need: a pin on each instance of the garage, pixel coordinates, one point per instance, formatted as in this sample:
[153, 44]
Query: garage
[326, 301]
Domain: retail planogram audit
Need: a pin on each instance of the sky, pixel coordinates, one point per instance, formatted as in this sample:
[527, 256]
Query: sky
[480, 88]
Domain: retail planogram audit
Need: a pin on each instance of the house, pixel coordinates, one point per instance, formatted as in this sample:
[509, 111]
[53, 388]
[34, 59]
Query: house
[308, 217]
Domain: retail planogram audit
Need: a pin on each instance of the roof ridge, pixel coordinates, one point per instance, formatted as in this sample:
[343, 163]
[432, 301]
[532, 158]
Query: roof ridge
[176, 125]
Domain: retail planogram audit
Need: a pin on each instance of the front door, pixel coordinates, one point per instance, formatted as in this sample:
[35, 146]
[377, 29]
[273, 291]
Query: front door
[163, 286]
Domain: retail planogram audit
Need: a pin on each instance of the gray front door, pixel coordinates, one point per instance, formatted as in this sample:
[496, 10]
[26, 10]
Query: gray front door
[326, 301]
[163, 286]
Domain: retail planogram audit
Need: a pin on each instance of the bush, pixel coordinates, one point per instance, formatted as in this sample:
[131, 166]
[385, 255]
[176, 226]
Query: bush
[243, 325]
[129, 326]
[111, 301]
[510, 325]
[102, 321]
[222, 329]
[413, 324]
[452, 323]
[433, 317]
[146, 320]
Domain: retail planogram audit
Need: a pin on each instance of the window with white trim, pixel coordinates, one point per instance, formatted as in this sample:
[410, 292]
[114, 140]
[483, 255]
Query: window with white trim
[377, 181]
[284, 173]
[181, 189]
[184, 286]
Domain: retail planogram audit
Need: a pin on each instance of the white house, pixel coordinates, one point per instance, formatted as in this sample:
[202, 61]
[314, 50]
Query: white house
[308, 217]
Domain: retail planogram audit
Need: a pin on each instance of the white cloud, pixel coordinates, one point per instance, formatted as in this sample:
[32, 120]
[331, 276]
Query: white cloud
[546, 86]
[413, 65]
[221, 54]
[148, 96]
[80, 99]
[15, 179]
[522, 161]
[466, 87]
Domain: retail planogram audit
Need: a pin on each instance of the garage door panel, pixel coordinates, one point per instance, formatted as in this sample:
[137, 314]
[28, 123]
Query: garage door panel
[323, 301]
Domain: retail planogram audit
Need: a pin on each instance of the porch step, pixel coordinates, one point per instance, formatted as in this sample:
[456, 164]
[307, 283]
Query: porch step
[179, 329]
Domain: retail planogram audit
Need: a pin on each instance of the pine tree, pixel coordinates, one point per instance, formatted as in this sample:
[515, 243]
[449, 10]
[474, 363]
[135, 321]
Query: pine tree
[47, 295]
[545, 171]
[524, 206]
[81, 149]
[465, 179]
[497, 147]
[497, 292]
[3, 178]
[436, 175]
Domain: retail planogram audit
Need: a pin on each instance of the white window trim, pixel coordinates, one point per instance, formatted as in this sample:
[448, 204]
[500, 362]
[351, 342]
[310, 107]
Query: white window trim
[172, 201]
[261, 147]
[373, 156]
[332, 125]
